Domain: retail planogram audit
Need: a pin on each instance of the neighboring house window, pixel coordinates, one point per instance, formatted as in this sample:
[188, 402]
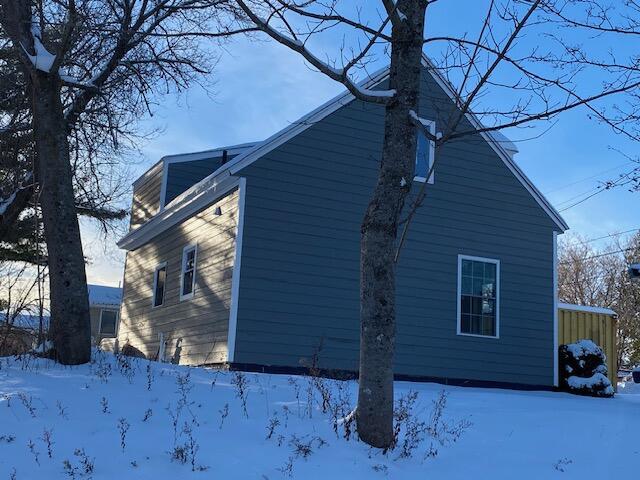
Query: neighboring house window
[188, 278]
[108, 319]
[478, 296]
[159, 283]
[425, 152]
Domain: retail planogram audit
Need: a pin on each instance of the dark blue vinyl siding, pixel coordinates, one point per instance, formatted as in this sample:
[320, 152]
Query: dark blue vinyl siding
[299, 283]
[182, 175]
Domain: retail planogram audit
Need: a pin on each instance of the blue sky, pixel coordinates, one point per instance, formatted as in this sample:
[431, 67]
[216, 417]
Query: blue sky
[260, 87]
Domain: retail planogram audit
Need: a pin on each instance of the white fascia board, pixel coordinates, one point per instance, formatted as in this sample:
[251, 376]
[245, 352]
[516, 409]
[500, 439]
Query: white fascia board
[258, 150]
[213, 153]
[208, 193]
[148, 173]
[192, 157]
[556, 379]
[499, 148]
[584, 308]
[303, 123]
[235, 277]
[321, 112]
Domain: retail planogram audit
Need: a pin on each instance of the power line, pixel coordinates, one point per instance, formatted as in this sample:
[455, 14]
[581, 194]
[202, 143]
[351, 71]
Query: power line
[622, 250]
[611, 235]
[622, 180]
[583, 200]
[589, 178]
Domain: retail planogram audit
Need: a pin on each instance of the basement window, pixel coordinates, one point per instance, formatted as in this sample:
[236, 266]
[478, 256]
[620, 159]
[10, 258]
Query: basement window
[159, 283]
[188, 277]
[108, 319]
[478, 296]
[425, 152]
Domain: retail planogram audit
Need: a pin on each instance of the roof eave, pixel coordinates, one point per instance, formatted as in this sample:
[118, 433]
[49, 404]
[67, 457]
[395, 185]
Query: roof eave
[175, 213]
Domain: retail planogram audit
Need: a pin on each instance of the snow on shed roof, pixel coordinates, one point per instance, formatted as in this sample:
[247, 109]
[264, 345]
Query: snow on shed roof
[585, 308]
[104, 295]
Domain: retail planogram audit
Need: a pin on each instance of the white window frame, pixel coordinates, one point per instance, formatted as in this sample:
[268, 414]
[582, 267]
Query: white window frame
[431, 126]
[115, 330]
[459, 294]
[183, 264]
[155, 284]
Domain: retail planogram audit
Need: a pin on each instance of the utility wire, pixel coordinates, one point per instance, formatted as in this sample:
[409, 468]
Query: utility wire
[589, 178]
[610, 235]
[599, 255]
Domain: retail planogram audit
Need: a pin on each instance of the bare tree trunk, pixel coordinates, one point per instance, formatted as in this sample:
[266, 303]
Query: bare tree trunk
[379, 229]
[70, 323]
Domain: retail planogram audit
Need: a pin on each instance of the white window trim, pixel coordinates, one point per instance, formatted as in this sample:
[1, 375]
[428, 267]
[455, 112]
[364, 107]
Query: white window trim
[187, 248]
[459, 295]
[155, 284]
[115, 332]
[431, 125]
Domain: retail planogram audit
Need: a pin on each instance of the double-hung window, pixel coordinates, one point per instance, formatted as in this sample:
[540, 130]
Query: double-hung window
[425, 152]
[108, 320]
[188, 275]
[478, 296]
[159, 283]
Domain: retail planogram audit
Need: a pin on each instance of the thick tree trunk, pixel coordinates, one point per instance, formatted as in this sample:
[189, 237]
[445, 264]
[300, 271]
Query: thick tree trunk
[70, 327]
[374, 413]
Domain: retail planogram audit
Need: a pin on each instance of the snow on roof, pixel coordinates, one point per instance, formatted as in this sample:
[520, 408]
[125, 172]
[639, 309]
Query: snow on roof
[104, 295]
[585, 308]
[502, 139]
[250, 152]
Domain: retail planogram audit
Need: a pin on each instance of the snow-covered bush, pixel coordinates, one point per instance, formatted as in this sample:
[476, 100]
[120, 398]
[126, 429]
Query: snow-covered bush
[583, 369]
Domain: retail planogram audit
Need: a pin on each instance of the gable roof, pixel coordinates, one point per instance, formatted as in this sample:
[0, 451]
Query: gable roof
[502, 146]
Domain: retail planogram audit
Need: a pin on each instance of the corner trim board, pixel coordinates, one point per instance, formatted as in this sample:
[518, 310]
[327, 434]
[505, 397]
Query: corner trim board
[235, 278]
[556, 373]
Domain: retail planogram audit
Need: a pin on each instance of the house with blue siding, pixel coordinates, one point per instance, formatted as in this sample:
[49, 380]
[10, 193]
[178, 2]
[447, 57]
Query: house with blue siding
[248, 255]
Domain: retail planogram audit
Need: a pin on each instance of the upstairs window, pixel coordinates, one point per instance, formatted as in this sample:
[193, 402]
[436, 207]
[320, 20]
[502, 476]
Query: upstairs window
[159, 282]
[188, 277]
[425, 152]
[478, 296]
[108, 319]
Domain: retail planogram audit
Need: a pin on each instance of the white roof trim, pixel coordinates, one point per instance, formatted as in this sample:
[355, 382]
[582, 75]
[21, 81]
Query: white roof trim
[256, 151]
[501, 149]
[213, 153]
[243, 160]
[193, 157]
[202, 155]
[206, 194]
[584, 308]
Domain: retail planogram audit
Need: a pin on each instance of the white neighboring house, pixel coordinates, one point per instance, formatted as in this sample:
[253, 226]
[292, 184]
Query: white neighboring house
[104, 305]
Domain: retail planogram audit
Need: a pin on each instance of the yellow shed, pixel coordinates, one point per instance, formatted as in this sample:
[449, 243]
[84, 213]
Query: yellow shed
[577, 322]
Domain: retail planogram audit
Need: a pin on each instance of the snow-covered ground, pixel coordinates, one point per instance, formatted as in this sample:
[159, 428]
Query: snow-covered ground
[116, 419]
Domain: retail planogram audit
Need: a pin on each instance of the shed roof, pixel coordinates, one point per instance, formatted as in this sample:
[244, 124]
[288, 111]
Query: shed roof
[586, 308]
